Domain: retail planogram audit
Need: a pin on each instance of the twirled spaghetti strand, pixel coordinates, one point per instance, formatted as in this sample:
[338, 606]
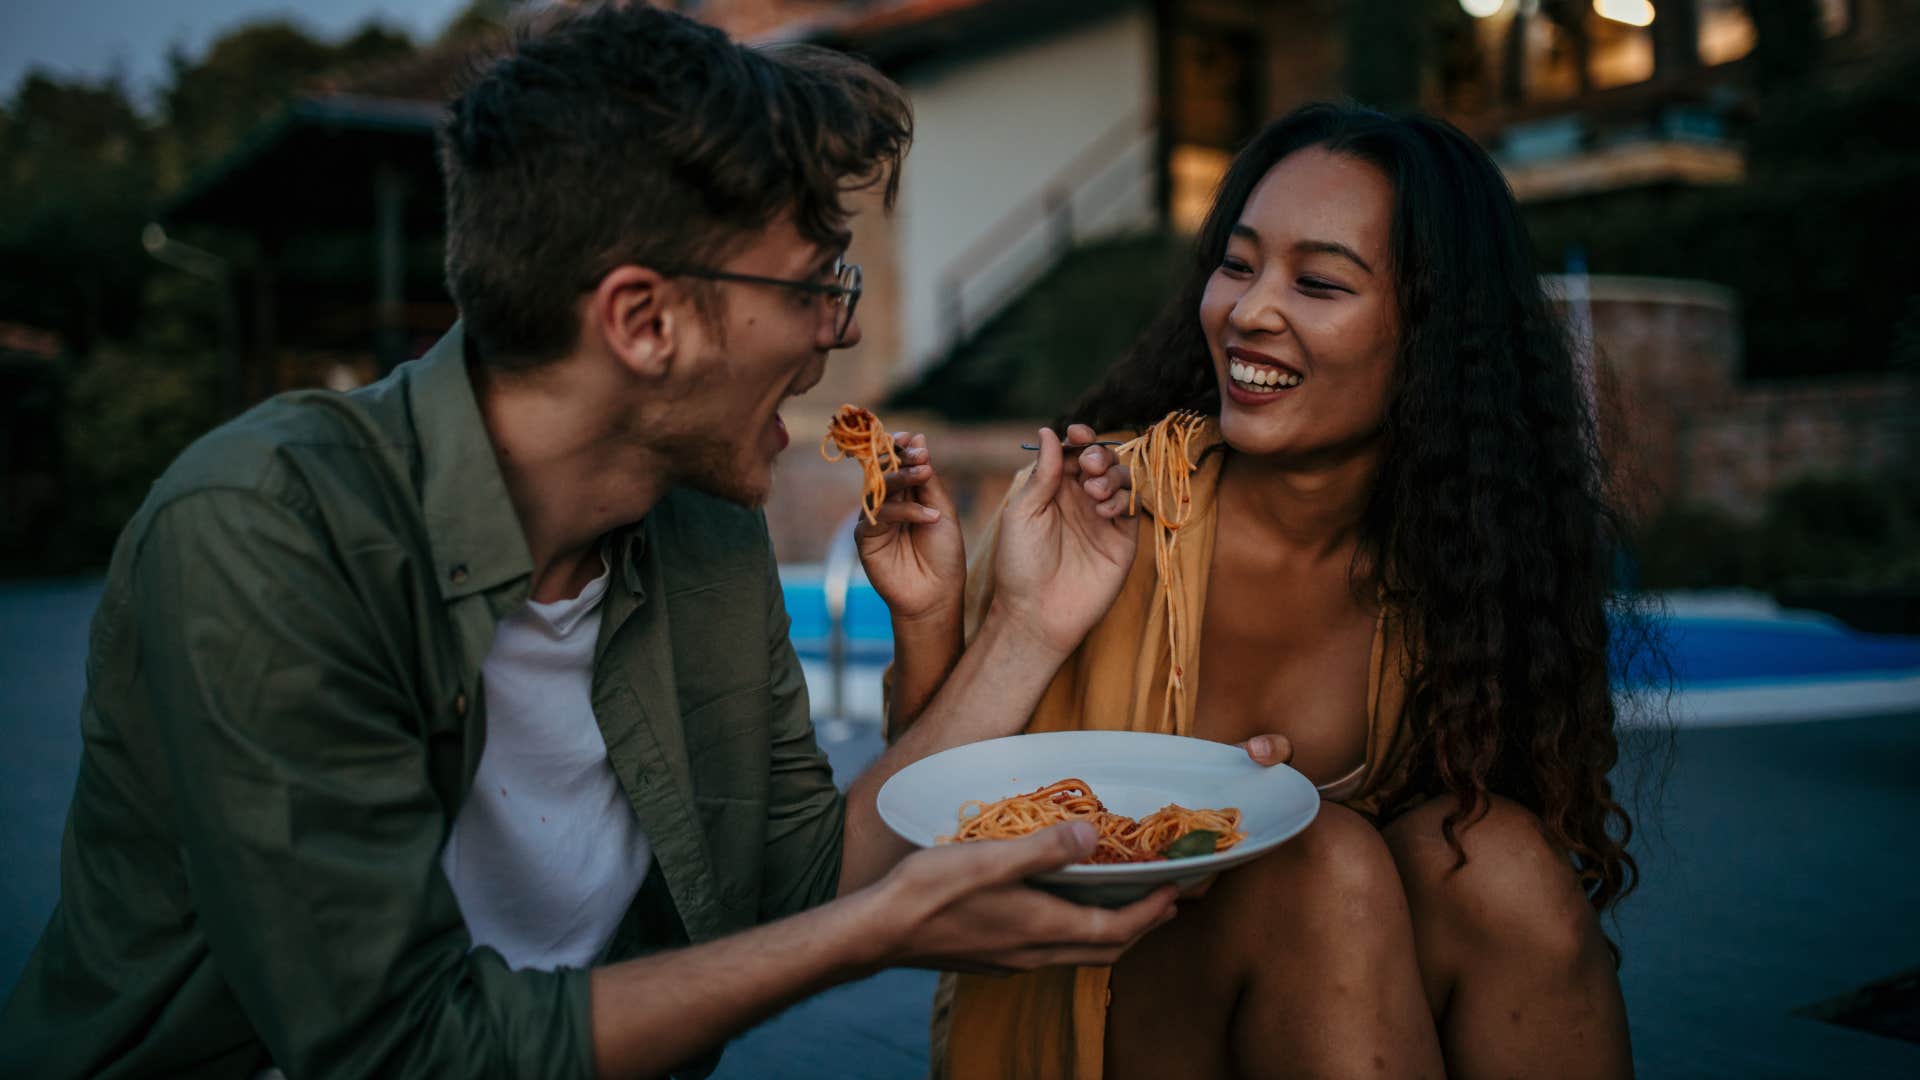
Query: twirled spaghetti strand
[1163, 454]
[856, 433]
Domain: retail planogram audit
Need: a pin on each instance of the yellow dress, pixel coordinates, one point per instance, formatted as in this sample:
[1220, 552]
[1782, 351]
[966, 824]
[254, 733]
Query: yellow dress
[1051, 1024]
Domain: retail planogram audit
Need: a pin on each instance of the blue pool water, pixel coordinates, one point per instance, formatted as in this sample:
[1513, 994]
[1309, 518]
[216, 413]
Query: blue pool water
[1731, 652]
[1706, 652]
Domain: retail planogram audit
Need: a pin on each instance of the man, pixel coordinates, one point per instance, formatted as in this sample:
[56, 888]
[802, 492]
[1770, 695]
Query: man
[450, 727]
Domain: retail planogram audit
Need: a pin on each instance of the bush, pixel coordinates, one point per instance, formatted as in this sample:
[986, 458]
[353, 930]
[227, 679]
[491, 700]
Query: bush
[1694, 547]
[130, 409]
[1841, 532]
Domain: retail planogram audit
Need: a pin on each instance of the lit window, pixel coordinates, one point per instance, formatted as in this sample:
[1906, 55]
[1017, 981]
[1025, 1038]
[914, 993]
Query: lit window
[1726, 28]
[1836, 16]
[1194, 173]
[1619, 53]
[1726, 31]
[1214, 85]
[1553, 61]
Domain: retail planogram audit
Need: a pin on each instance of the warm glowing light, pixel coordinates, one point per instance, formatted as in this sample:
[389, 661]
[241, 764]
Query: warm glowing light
[1480, 9]
[1631, 12]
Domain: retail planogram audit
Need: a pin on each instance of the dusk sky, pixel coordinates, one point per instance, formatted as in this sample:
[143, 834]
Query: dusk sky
[96, 37]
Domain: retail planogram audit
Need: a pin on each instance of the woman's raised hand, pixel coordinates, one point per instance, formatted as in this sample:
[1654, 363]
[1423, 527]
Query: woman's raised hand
[1059, 562]
[914, 554]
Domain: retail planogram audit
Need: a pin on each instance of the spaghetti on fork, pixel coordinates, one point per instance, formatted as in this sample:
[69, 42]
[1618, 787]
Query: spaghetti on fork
[856, 433]
[1162, 455]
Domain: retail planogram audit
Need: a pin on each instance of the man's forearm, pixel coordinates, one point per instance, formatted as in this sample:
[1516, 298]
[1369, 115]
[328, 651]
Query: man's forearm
[660, 1011]
[992, 691]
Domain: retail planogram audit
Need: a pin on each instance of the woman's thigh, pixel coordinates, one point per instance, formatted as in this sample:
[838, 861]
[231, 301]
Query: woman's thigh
[1512, 958]
[1300, 963]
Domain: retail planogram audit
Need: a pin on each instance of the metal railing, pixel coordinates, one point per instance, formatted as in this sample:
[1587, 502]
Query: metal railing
[1106, 189]
[837, 580]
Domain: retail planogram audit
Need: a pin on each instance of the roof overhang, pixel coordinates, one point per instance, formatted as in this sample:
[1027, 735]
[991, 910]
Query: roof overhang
[313, 165]
[903, 34]
[1634, 165]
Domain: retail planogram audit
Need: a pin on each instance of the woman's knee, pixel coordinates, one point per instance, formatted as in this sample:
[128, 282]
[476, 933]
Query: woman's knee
[1338, 871]
[1515, 889]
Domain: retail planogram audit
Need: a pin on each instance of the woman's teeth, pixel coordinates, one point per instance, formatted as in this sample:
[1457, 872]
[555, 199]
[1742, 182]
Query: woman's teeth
[1261, 379]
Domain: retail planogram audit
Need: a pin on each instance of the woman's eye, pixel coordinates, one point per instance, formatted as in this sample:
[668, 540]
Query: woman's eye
[1235, 266]
[1310, 284]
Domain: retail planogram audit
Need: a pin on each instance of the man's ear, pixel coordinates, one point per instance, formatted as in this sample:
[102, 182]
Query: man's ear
[641, 317]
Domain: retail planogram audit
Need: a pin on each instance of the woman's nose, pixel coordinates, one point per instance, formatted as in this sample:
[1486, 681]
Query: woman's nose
[1259, 310]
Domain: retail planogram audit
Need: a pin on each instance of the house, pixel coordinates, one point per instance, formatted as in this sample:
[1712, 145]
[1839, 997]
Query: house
[1062, 149]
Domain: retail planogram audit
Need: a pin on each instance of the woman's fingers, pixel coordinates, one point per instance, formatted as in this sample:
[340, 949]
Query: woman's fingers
[902, 479]
[1037, 493]
[1112, 490]
[934, 493]
[1270, 749]
[904, 512]
[1110, 478]
[916, 463]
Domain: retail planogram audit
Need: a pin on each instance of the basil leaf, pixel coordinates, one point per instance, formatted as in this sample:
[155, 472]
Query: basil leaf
[1196, 843]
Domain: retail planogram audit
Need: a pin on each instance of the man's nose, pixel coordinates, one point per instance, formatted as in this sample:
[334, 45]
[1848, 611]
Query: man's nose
[850, 338]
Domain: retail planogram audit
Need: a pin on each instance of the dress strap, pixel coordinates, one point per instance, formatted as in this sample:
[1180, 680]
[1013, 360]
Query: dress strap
[1344, 788]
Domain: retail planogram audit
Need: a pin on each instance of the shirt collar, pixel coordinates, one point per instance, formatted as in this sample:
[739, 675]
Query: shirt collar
[629, 547]
[471, 524]
[475, 533]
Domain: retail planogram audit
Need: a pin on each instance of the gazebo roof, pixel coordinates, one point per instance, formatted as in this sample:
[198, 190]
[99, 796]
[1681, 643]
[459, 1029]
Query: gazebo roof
[314, 161]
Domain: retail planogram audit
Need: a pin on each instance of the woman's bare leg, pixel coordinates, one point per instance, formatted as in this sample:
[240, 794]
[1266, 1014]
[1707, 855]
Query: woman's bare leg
[1301, 963]
[1515, 967]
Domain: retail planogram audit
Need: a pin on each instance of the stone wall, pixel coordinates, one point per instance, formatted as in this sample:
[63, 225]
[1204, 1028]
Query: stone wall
[1778, 433]
[1682, 426]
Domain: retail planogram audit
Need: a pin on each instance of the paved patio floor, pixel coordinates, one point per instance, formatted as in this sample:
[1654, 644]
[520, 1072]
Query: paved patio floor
[1779, 871]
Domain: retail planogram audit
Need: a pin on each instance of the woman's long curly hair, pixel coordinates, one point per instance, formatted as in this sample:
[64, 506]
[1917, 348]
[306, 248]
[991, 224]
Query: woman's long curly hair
[1489, 528]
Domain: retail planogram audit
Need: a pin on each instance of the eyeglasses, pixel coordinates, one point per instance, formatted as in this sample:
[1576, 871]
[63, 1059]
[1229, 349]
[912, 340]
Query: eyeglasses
[845, 291]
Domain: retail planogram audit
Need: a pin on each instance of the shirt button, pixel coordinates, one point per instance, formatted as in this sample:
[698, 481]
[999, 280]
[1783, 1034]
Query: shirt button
[460, 704]
[459, 574]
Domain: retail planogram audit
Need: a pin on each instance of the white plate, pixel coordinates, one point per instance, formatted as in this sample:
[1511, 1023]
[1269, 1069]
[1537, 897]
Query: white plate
[1133, 773]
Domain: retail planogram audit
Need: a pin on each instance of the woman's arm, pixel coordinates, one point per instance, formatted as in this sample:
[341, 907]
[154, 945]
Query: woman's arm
[1058, 566]
[916, 559]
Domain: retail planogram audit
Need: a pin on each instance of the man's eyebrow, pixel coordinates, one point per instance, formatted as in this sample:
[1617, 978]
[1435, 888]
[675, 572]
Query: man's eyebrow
[1321, 247]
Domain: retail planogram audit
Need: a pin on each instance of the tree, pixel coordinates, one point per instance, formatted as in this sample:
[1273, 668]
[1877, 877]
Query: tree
[246, 76]
[81, 172]
[77, 176]
[478, 17]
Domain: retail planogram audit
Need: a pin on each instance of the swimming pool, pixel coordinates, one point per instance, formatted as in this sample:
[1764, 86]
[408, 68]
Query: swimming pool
[1714, 645]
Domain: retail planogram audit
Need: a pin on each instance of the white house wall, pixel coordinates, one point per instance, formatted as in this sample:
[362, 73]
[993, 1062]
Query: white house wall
[990, 132]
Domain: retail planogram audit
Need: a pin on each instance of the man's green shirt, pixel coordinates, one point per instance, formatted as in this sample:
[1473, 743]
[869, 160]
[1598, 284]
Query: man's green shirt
[283, 716]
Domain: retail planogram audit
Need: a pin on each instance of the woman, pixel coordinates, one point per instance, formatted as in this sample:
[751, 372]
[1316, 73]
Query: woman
[1397, 553]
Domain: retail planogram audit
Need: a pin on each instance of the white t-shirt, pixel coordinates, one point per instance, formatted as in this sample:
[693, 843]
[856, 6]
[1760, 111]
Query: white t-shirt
[546, 855]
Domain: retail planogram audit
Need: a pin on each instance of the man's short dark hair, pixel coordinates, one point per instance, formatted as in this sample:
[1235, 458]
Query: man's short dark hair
[623, 134]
